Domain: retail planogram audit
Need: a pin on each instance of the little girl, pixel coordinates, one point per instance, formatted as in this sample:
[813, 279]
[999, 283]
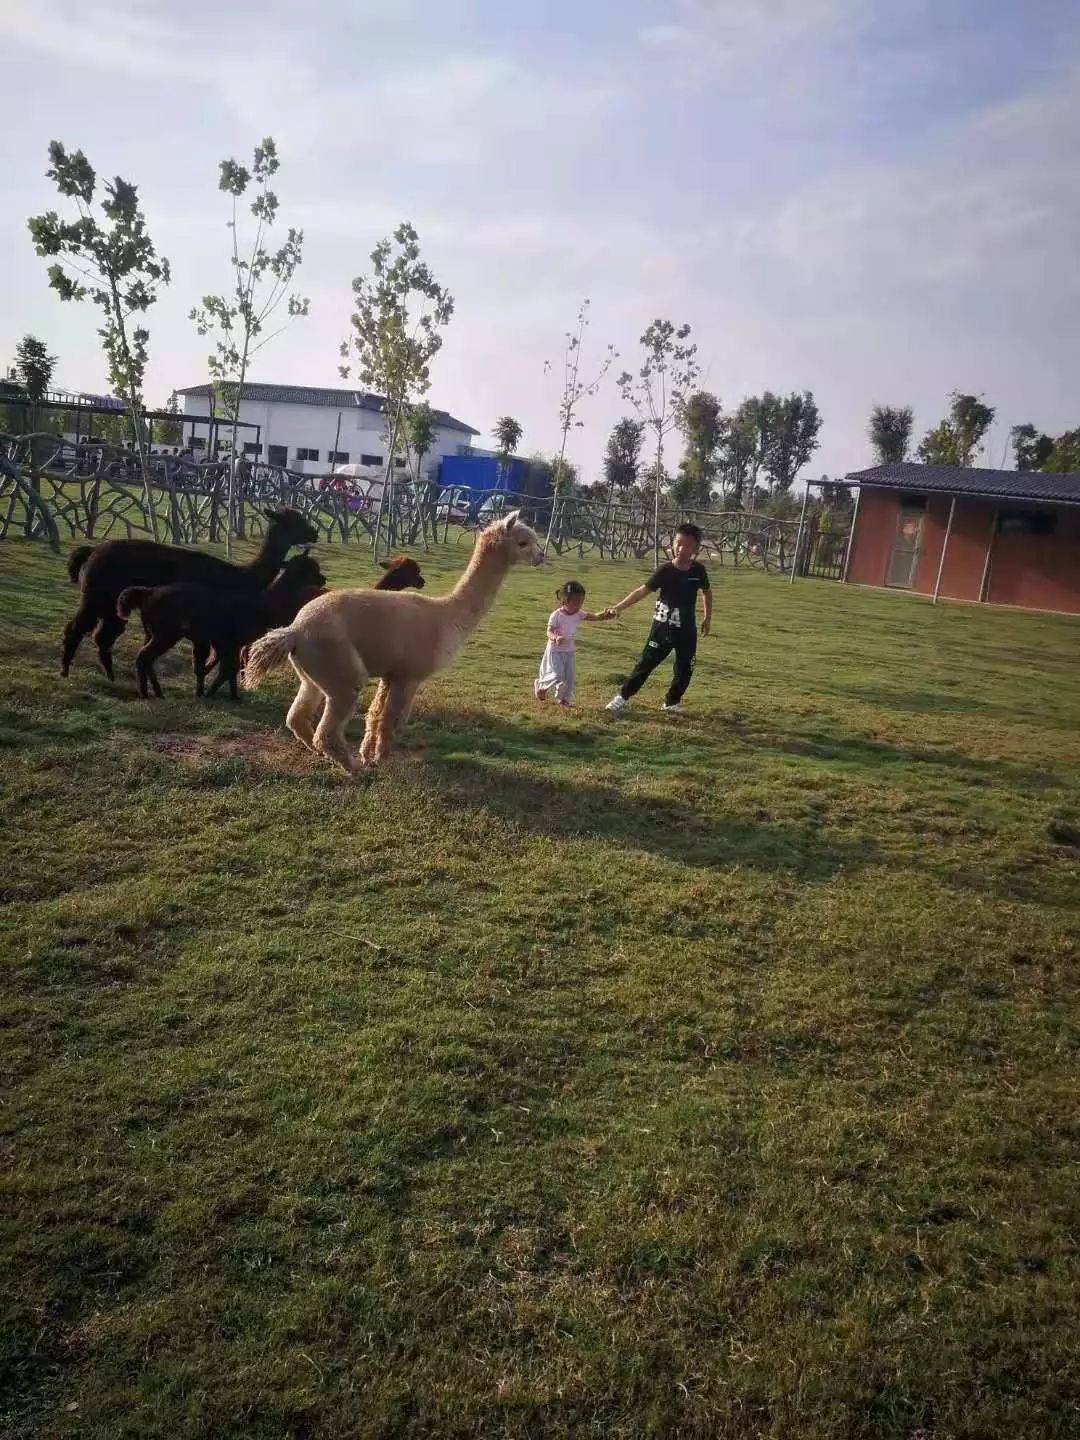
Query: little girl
[557, 664]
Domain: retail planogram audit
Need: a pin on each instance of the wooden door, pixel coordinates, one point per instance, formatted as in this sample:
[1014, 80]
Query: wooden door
[907, 547]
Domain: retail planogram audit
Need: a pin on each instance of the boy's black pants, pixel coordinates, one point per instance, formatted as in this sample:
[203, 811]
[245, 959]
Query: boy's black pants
[663, 639]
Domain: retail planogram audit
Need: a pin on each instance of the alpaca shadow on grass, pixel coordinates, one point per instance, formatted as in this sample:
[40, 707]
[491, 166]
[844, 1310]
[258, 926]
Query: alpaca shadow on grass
[570, 808]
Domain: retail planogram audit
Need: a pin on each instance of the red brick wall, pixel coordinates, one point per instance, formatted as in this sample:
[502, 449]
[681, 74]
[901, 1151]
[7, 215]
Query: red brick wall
[1039, 572]
[875, 530]
[973, 525]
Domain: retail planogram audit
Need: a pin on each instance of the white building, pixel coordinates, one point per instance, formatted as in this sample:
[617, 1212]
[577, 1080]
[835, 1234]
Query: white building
[313, 430]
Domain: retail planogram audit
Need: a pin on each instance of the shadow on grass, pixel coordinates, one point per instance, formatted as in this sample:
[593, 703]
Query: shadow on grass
[574, 809]
[694, 741]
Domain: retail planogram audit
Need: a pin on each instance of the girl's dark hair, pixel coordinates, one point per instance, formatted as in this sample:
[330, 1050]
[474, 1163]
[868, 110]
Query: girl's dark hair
[571, 588]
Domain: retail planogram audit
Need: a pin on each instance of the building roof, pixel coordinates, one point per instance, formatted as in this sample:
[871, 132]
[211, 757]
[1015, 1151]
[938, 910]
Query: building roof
[329, 399]
[956, 480]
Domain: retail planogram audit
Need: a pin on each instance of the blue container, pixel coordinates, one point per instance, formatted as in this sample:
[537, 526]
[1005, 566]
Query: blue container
[481, 474]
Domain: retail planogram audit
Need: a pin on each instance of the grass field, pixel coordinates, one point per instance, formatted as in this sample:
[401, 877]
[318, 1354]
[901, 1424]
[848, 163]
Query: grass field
[713, 1076]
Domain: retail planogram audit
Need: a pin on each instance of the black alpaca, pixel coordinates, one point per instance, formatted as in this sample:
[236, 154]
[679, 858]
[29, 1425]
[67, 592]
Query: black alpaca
[224, 621]
[402, 573]
[117, 564]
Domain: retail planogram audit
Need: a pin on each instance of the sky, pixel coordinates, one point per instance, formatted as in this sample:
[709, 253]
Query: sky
[878, 202]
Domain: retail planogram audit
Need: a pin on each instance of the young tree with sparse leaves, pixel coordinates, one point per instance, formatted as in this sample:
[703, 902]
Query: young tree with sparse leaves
[399, 310]
[658, 393]
[890, 432]
[113, 264]
[260, 287]
[575, 389]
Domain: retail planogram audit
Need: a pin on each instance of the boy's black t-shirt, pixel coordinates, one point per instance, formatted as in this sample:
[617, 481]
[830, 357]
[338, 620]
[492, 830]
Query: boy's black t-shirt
[677, 592]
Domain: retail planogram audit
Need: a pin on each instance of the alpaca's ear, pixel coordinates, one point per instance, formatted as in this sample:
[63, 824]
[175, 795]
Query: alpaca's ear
[384, 564]
[511, 520]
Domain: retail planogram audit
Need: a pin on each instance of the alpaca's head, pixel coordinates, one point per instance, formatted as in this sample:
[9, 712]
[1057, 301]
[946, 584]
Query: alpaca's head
[291, 527]
[516, 538]
[301, 572]
[402, 573]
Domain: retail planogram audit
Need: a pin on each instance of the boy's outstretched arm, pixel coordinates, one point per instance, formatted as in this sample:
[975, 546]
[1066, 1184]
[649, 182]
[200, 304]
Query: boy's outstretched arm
[632, 599]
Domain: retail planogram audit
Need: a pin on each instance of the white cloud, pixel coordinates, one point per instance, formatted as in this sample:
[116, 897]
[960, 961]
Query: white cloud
[725, 31]
[994, 204]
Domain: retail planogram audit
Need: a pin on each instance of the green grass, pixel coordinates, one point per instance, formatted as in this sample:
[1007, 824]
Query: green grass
[706, 1077]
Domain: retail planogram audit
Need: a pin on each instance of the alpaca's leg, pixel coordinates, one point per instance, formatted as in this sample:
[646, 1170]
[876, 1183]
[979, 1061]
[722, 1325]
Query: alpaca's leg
[398, 701]
[330, 735]
[374, 720]
[81, 624]
[144, 663]
[331, 663]
[228, 665]
[304, 710]
[108, 632]
[201, 653]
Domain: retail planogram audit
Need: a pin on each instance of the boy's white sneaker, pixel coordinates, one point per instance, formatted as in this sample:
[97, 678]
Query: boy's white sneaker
[675, 709]
[615, 704]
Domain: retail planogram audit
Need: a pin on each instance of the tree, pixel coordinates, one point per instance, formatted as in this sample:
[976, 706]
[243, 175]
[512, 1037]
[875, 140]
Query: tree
[1065, 456]
[421, 432]
[834, 495]
[792, 439]
[508, 433]
[954, 440]
[658, 393]
[399, 310]
[738, 450]
[260, 286]
[939, 446]
[745, 441]
[34, 367]
[622, 458]
[702, 425]
[971, 419]
[115, 265]
[1031, 448]
[574, 390]
[890, 432]
[171, 432]
[32, 370]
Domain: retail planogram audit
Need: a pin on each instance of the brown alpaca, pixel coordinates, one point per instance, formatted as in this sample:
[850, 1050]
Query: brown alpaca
[341, 639]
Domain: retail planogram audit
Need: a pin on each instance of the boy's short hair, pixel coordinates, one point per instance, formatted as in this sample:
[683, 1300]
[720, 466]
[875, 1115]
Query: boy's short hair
[694, 531]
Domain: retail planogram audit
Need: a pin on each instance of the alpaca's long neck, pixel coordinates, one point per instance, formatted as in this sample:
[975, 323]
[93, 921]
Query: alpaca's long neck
[281, 601]
[474, 594]
[269, 560]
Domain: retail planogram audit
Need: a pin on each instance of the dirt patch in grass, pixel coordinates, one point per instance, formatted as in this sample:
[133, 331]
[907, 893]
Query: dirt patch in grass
[265, 747]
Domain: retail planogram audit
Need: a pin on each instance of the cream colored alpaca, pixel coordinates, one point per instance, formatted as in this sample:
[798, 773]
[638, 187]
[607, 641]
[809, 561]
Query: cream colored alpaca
[340, 639]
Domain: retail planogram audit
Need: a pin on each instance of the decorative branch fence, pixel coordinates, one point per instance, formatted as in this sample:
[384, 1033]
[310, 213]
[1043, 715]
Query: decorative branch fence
[56, 490]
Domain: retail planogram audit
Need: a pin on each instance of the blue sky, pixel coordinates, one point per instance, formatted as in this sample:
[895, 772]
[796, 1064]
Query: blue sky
[878, 202]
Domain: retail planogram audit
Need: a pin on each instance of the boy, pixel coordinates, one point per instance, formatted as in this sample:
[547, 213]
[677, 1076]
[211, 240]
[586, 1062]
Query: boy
[677, 585]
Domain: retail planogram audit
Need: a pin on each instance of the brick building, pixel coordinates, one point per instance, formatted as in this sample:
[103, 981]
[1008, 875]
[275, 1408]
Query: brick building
[1006, 537]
